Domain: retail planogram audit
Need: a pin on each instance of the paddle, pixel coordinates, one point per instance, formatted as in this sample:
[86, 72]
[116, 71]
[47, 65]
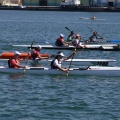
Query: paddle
[73, 56]
[68, 29]
[97, 34]
[28, 52]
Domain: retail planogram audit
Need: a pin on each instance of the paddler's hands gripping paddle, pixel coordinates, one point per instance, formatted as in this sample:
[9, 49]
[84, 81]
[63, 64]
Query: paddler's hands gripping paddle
[73, 56]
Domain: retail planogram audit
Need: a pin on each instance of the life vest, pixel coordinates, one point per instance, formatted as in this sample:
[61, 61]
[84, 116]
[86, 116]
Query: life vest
[74, 43]
[53, 66]
[93, 38]
[34, 54]
[10, 63]
[59, 42]
[70, 38]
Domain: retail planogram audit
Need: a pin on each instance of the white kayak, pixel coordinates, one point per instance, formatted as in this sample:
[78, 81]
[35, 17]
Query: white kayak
[86, 18]
[81, 62]
[91, 70]
[89, 46]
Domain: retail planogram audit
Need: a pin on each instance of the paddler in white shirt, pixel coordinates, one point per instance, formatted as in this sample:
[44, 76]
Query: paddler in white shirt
[77, 42]
[56, 63]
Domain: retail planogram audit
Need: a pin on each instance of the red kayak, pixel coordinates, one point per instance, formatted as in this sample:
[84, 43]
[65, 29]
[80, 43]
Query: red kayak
[10, 55]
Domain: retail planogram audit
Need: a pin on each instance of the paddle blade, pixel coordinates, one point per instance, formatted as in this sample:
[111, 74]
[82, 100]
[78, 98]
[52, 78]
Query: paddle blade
[67, 28]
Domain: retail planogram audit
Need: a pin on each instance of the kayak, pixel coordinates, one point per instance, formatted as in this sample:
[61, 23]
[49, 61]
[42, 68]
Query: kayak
[101, 41]
[80, 62]
[87, 46]
[86, 18]
[10, 55]
[85, 71]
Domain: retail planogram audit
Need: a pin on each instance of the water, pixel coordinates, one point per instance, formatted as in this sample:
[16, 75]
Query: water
[34, 97]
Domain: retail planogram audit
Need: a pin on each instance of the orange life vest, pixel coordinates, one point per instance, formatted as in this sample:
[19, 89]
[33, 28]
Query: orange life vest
[59, 42]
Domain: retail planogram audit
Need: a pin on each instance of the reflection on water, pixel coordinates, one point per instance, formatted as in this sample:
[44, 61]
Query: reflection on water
[17, 76]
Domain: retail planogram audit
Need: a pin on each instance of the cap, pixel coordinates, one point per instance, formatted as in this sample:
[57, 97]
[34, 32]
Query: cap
[17, 53]
[61, 35]
[39, 47]
[61, 54]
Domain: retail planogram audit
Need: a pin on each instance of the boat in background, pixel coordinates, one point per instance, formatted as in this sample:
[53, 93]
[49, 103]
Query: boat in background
[90, 18]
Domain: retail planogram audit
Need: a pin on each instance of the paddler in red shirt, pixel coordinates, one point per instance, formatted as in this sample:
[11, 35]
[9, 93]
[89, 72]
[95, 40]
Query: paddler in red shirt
[35, 53]
[15, 62]
[61, 42]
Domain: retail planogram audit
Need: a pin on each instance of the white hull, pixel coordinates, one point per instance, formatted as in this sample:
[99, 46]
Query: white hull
[81, 62]
[92, 70]
[88, 46]
[86, 18]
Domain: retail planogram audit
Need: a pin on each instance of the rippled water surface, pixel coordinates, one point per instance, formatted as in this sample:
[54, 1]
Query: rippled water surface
[34, 97]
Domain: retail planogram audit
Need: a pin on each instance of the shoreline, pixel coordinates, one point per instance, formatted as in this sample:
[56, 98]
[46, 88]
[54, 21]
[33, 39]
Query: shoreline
[63, 8]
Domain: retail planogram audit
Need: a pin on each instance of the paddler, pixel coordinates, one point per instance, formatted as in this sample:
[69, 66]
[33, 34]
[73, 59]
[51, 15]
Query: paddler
[61, 42]
[70, 36]
[35, 53]
[77, 42]
[93, 18]
[94, 37]
[56, 63]
[15, 62]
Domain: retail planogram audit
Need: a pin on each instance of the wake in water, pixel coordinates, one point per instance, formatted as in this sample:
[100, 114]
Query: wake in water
[90, 18]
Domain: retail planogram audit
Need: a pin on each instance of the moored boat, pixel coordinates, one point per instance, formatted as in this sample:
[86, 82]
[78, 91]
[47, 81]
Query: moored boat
[91, 70]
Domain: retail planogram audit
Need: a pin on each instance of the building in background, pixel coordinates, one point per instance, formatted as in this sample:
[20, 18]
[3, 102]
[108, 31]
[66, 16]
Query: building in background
[11, 2]
[84, 2]
[104, 3]
[97, 3]
[41, 2]
[70, 2]
[91, 3]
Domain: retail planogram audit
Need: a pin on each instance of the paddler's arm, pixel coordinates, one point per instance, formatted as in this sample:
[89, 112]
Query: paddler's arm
[43, 57]
[69, 56]
[19, 66]
[25, 58]
[63, 69]
[90, 37]
[66, 42]
[100, 37]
